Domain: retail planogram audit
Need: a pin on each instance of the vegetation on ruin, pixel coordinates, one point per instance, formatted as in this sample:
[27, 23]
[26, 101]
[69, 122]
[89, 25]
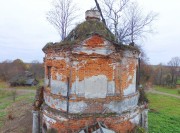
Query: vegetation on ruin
[138, 129]
[142, 96]
[87, 28]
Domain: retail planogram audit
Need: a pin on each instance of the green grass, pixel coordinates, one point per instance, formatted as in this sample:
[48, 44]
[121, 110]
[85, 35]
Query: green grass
[6, 100]
[26, 87]
[4, 94]
[178, 81]
[167, 90]
[4, 103]
[164, 114]
[3, 84]
[28, 97]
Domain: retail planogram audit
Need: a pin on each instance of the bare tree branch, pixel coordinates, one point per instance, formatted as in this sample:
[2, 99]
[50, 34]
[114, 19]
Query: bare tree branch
[174, 63]
[98, 7]
[62, 15]
[126, 20]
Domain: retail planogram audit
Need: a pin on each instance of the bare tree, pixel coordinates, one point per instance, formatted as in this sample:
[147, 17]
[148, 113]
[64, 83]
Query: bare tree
[135, 24]
[62, 16]
[4, 70]
[126, 20]
[112, 10]
[37, 69]
[174, 63]
[9, 69]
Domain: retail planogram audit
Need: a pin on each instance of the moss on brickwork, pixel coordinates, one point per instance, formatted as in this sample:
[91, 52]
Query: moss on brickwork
[138, 129]
[63, 44]
[87, 28]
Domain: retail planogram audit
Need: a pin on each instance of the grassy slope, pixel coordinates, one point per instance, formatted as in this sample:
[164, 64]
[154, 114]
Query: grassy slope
[6, 100]
[167, 90]
[3, 104]
[164, 114]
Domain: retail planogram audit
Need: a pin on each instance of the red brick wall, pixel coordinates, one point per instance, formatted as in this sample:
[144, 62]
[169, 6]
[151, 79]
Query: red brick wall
[75, 125]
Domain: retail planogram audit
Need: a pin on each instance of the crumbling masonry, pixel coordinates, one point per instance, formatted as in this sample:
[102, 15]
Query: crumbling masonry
[89, 78]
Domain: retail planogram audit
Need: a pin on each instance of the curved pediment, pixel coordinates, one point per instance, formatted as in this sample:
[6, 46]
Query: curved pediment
[94, 45]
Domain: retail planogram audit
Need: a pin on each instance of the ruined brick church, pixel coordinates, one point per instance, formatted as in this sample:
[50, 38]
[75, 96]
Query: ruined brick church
[90, 80]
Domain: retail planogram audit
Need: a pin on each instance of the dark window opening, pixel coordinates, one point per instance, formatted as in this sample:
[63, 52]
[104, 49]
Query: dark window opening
[49, 75]
[44, 128]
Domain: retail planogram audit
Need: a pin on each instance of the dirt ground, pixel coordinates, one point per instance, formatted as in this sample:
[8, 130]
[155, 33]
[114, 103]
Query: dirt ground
[162, 93]
[19, 119]
[19, 116]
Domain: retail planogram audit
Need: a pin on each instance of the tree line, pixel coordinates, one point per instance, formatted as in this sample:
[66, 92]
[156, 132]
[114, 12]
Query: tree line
[162, 74]
[165, 75]
[10, 69]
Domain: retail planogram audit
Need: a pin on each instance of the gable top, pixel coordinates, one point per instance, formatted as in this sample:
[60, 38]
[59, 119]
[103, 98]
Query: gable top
[69, 45]
[88, 28]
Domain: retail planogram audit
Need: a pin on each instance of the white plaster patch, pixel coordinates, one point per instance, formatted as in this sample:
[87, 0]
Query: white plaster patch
[55, 103]
[75, 63]
[59, 77]
[59, 87]
[136, 119]
[96, 86]
[73, 88]
[77, 107]
[121, 106]
[130, 54]
[48, 121]
[101, 51]
[105, 49]
[80, 87]
[104, 130]
[132, 87]
[46, 81]
[55, 116]
[111, 88]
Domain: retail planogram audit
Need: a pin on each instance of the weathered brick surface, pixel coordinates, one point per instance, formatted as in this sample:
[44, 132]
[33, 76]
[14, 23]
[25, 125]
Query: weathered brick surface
[95, 41]
[116, 67]
[75, 125]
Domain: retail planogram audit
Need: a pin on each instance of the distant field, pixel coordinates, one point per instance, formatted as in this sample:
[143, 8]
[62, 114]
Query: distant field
[164, 114]
[6, 85]
[167, 90]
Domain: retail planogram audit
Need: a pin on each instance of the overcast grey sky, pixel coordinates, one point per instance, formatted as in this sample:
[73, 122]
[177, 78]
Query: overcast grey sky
[24, 29]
